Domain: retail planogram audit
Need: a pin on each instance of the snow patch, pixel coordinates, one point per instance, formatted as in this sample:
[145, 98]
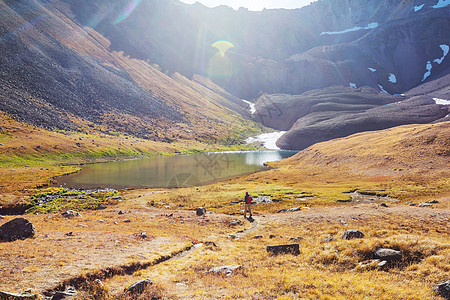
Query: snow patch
[418, 7]
[428, 72]
[441, 3]
[445, 49]
[392, 78]
[353, 85]
[251, 105]
[268, 139]
[441, 101]
[372, 69]
[370, 26]
[382, 89]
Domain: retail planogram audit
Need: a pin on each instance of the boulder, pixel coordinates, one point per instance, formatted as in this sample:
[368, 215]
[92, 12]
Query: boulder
[12, 296]
[284, 249]
[69, 292]
[226, 270]
[200, 211]
[71, 214]
[387, 254]
[140, 286]
[16, 229]
[352, 234]
[443, 289]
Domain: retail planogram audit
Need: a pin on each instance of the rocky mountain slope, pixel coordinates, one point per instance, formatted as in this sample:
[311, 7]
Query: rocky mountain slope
[54, 73]
[165, 70]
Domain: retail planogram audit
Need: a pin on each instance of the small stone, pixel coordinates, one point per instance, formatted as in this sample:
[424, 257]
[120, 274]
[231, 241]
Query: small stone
[382, 264]
[289, 209]
[352, 234]
[140, 286]
[200, 211]
[231, 236]
[443, 289]
[258, 237]
[433, 201]
[69, 292]
[26, 295]
[69, 234]
[117, 198]
[284, 249]
[121, 212]
[71, 214]
[327, 240]
[127, 221]
[235, 222]
[299, 238]
[210, 244]
[226, 270]
[271, 236]
[424, 205]
[383, 204]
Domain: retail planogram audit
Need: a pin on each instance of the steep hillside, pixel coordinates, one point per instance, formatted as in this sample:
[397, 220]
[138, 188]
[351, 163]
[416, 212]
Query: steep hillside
[418, 152]
[54, 70]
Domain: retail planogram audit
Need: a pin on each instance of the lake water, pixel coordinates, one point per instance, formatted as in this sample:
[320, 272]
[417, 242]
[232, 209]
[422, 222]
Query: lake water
[171, 171]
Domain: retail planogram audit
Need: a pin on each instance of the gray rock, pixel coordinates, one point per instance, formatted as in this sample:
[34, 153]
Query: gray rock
[388, 254]
[289, 209]
[326, 240]
[226, 270]
[16, 229]
[71, 214]
[12, 296]
[140, 286]
[235, 222]
[383, 204]
[424, 205]
[352, 234]
[284, 249]
[296, 239]
[443, 289]
[231, 236]
[382, 264]
[432, 201]
[200, 211]
[69, 292]
[121, 212]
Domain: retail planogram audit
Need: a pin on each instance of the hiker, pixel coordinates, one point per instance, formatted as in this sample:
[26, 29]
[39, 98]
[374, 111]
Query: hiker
[247, 205]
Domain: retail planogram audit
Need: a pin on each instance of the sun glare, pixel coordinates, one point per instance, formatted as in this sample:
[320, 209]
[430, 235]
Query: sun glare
[127, 11]
[223, 46]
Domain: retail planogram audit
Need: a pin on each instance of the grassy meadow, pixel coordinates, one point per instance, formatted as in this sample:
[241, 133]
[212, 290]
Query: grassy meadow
[399, 167]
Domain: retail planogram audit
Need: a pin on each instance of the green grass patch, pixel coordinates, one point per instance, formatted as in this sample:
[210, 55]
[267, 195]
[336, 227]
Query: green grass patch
[58, 200]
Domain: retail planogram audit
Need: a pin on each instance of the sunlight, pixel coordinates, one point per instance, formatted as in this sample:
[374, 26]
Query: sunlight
[223, 46]
[127, 11]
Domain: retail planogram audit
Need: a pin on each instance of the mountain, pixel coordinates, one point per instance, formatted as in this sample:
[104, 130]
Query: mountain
[57, 74]
[165, 70]
[327, 43]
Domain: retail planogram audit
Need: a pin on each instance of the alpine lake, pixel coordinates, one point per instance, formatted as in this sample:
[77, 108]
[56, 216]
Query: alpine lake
[171, 171]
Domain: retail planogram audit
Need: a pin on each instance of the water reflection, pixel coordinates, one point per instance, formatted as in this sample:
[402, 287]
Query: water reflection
[171, 171]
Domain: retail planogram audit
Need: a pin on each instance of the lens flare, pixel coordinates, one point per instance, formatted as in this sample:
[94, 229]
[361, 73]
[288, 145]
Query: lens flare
[223, 46]
[127, 11]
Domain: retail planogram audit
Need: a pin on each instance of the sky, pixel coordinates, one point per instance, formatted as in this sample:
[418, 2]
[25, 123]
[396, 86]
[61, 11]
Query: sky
[254, 5]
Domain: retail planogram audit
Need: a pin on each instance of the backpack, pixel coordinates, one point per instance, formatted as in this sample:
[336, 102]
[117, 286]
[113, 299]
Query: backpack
[248, 199]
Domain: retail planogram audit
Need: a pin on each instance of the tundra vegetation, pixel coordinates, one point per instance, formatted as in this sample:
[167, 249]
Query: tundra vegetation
[122, 237]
